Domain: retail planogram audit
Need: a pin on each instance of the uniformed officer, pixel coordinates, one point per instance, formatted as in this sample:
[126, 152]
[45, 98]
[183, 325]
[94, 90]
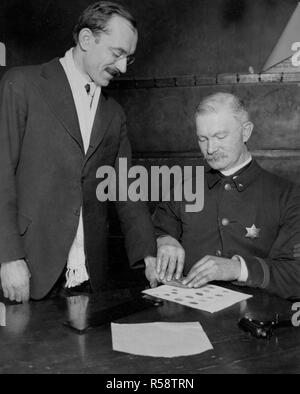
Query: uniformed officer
[250, 222]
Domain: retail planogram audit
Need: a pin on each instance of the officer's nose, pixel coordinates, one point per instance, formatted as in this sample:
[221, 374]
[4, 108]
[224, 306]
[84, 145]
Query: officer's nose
[121, 64]
[211, 147]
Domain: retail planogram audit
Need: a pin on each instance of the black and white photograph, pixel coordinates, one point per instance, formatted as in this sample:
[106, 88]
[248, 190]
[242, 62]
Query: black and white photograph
[150, 190]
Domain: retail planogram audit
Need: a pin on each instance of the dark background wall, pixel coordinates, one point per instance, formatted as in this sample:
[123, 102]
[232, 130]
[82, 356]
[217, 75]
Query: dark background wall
[177, 37]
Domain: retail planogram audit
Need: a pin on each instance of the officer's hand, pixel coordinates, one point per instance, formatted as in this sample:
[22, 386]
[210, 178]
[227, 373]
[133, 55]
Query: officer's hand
[150, 271]
[213, 268]
[15, 277]
[296, 251]
[170, 258]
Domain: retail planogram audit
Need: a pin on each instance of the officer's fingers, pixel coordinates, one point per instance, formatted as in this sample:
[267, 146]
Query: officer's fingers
[18, 293]
[203, 281]
[180, 265]
[198, 278]
[171, 268]
[153, 283]
[159, 259]
[5, 292]
[196, 270]
[200, 263]
[22, 289]
[11, 293]
[203, 277]
[25, 293]
[150, 273]
[191, 276]
[164, 266]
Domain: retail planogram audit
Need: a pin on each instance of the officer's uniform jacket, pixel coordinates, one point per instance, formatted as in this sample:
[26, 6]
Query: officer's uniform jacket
[253, 214]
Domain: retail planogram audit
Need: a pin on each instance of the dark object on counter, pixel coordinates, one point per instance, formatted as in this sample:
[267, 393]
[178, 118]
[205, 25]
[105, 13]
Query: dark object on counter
[261, 329]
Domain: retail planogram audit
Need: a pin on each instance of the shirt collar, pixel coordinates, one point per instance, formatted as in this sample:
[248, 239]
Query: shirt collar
[235, 169]
[76, 73]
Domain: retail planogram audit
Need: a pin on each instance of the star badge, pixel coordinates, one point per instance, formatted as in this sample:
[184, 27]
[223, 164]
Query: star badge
[252, 232]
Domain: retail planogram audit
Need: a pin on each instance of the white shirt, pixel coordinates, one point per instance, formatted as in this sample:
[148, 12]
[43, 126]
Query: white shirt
[235, 169]
[86, 106]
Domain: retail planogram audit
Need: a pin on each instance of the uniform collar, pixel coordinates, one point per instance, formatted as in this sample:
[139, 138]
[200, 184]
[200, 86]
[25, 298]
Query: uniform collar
[242, 178]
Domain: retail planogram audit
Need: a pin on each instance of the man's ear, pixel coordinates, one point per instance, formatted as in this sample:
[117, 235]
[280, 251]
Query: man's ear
[247, 131]
[85, 39]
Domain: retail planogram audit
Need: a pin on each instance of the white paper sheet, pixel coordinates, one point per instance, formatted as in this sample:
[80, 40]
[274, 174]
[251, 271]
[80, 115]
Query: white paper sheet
[208, 298]
[2, 315]
[160, 339]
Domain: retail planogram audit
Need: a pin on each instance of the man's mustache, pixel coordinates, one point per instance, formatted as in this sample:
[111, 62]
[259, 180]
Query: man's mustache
[216, 156]
[114, 72]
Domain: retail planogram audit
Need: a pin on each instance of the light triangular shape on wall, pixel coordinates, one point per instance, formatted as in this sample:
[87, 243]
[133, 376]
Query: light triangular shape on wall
[285, 57]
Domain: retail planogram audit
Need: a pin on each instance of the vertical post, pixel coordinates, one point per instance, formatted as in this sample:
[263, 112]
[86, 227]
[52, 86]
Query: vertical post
[2, 54]
[2, 315]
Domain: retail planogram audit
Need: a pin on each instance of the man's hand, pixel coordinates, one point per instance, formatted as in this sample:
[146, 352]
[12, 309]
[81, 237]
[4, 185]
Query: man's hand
[150, 271]
[170, 258]
[15, 277]
[213, 268]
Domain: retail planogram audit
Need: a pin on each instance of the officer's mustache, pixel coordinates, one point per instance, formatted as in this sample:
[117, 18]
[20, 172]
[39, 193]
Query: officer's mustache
[215, 157]
[114, 72]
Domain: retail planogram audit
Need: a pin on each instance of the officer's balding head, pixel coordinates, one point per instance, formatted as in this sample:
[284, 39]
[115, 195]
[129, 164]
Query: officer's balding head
[226, 101]
[223, 128]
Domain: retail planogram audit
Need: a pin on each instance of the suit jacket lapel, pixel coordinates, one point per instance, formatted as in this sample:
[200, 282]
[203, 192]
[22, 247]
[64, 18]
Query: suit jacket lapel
[56, 90]
[103, 118]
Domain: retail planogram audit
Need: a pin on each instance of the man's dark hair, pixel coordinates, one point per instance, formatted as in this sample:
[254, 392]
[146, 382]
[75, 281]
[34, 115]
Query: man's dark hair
[97, 16]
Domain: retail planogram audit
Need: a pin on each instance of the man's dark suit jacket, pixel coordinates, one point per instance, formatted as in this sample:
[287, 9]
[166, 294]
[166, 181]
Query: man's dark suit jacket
[45, 177]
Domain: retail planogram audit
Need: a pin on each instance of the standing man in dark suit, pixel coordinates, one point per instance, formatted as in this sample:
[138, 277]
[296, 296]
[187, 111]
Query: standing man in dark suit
[56, 129]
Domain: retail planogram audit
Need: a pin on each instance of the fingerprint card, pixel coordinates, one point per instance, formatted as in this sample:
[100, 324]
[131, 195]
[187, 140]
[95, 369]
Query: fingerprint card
[208, 298]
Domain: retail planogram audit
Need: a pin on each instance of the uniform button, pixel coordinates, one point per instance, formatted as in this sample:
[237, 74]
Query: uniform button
[227, 187]
[225, 222]
[218, 253]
